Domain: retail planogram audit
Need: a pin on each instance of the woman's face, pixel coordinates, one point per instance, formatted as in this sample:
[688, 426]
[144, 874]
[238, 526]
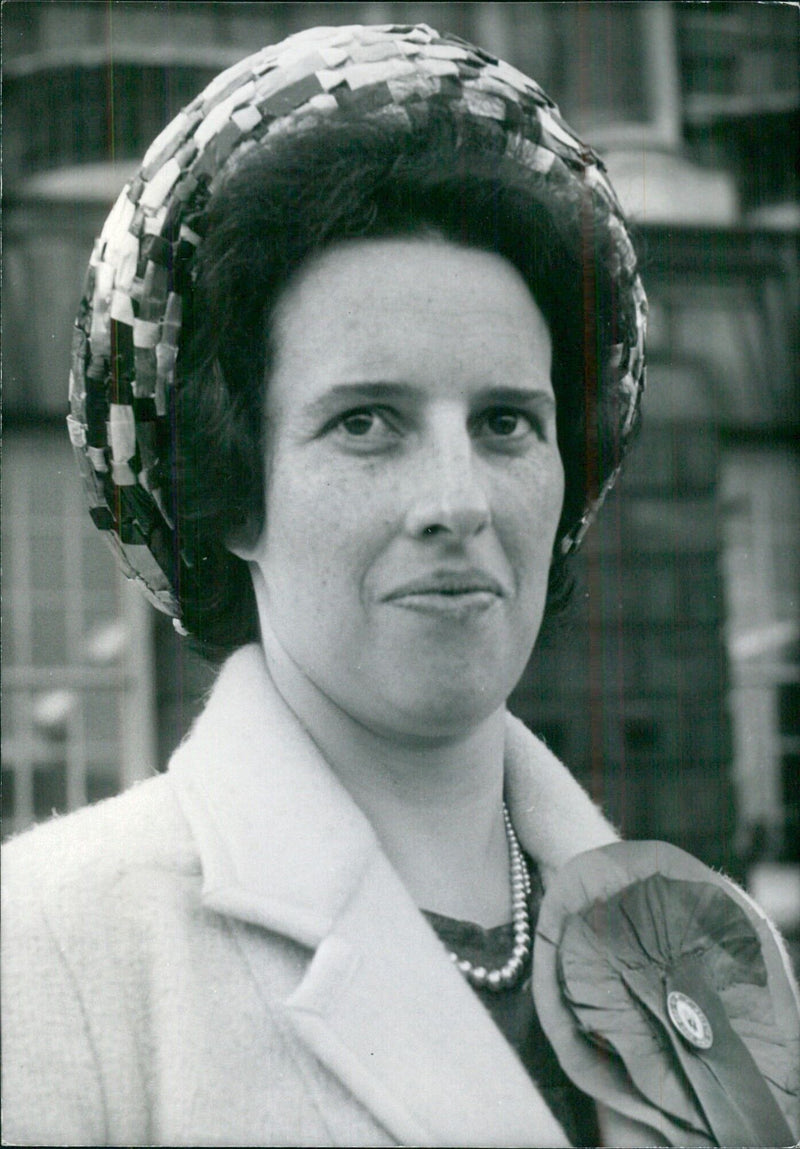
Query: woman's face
[413, 484]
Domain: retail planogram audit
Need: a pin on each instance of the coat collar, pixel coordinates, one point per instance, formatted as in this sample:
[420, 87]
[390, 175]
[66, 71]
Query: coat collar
[283, 845]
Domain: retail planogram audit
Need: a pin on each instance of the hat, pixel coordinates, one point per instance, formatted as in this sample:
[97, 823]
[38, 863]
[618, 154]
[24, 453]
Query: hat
[128, 329]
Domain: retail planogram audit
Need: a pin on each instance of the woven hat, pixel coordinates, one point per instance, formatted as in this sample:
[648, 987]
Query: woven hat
[128, 329]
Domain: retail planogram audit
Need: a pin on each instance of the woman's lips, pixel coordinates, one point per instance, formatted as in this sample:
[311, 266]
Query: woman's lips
[448, 592]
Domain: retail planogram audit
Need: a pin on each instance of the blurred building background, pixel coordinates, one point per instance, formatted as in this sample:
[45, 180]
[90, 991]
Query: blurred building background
[673, 687]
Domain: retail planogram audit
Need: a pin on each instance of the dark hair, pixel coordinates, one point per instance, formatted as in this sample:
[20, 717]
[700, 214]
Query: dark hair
[350, 180]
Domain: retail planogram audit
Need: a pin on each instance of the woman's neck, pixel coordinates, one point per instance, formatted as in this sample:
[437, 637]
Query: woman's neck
[436, 806]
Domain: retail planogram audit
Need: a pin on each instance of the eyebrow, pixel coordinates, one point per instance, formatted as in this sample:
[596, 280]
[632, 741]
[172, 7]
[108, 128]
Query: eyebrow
[382, 392]
[518, 396]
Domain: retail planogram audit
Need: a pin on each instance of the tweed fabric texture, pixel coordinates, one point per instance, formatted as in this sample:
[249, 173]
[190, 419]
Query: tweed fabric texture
[128, 328]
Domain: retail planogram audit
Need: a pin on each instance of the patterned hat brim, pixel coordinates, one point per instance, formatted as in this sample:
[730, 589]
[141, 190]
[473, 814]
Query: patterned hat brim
[128, 328]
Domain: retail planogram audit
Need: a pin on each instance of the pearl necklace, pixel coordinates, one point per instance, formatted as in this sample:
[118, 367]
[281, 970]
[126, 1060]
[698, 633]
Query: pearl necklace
[508, 975]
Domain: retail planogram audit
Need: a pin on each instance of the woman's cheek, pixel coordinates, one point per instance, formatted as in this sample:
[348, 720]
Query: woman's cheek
[536, 490]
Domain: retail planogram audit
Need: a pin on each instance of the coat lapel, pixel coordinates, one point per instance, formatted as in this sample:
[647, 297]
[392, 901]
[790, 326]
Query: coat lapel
[283, 845]
[383, 1007]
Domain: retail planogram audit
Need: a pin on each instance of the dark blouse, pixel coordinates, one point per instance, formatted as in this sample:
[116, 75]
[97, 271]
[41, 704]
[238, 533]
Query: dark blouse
[515, 1015]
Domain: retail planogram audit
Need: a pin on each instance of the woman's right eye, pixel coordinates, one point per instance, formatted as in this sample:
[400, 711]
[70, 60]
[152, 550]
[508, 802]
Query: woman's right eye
[359, 423]
[365, 429]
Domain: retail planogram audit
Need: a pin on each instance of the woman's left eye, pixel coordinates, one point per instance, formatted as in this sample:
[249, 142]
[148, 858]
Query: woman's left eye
[505, 423]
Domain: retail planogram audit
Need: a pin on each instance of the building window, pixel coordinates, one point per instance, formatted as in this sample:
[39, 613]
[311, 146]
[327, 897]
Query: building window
[78, 706]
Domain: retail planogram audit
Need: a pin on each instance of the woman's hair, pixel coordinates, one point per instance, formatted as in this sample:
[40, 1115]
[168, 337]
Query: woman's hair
[357, 180]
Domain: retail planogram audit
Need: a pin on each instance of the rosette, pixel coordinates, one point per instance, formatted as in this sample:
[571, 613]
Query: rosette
[667, 997]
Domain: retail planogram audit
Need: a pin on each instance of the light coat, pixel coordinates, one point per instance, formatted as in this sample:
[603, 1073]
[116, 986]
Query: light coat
[223, 955]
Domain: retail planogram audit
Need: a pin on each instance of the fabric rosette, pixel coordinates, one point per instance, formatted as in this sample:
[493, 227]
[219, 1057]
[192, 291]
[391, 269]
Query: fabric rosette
[667, 997]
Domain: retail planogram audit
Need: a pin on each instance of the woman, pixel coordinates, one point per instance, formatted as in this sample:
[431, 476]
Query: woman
[360, 354]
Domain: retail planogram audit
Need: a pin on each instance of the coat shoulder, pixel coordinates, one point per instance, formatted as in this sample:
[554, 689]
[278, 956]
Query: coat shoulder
[82, 895]
[93, 848]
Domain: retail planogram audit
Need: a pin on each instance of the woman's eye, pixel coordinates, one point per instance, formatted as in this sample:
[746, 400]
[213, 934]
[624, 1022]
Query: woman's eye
[359, 423]
[506, 423]
[366, 427]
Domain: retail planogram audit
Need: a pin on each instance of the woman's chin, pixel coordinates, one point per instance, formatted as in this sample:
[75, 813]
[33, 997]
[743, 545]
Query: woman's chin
[444, 711]
[434, 695]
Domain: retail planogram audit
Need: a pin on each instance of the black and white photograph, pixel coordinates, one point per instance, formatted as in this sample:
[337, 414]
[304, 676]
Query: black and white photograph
[400, 573]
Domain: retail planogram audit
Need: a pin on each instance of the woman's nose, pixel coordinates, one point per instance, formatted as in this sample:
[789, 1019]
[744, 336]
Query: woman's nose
[448, 494]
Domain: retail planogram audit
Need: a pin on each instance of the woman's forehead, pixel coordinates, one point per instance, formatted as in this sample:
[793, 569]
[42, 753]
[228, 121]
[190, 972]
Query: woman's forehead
[403, 287]
[413, 312]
